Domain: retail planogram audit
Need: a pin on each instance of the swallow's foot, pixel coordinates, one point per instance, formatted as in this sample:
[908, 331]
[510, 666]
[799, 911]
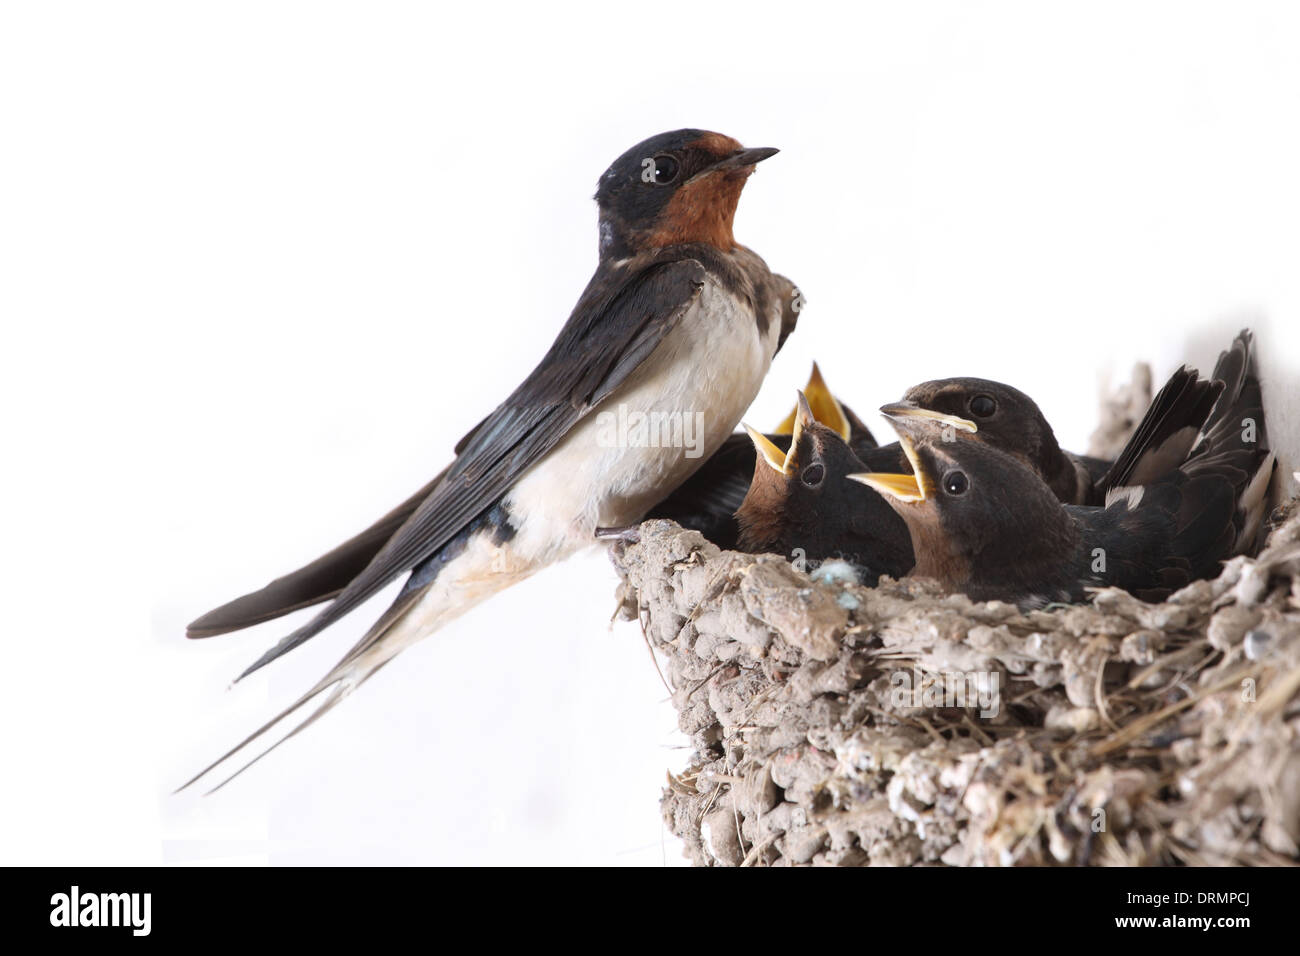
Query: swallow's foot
[629, 534]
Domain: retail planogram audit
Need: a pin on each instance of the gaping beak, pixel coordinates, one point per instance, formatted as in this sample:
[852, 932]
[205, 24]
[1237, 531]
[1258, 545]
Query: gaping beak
[784, 462]
[774, 456]
[825, 407]
[907, 488]
[903, 411]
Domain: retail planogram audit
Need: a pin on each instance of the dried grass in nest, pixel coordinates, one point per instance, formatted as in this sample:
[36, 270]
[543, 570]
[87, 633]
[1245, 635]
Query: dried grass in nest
[1125, 733]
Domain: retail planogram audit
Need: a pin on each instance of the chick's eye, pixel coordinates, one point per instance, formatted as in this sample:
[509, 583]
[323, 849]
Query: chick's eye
[666, 169]
[812, 475]
[955, 483]
[982, 406]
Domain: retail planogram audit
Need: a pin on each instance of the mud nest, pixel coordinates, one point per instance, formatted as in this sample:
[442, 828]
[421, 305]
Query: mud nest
[833, 724]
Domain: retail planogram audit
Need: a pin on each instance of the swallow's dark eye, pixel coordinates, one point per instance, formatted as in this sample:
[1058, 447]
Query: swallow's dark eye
[666, 169]
[982, 406]
[812, 475]
[955, 483]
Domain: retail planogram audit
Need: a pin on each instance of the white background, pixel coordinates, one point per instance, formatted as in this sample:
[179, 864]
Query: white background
[261, 264]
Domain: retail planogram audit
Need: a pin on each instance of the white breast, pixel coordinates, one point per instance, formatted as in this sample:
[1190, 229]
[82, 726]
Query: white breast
[712, 363]
[695, 385]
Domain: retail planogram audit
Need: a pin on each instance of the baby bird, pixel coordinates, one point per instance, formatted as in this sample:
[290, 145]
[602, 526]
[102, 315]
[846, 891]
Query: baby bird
[786, 514]
[983, 522]
[800, 506]
[707, 502]
[1009, 420]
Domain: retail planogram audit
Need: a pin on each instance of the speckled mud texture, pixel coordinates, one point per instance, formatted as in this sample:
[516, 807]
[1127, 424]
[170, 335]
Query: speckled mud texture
[838, 725]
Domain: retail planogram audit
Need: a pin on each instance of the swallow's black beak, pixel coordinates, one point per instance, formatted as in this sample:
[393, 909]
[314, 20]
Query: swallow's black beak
[740, 159]
[749, 157]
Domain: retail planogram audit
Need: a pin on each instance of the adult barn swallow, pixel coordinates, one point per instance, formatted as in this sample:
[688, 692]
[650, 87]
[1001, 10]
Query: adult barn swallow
[800, 505]
[1011, 421]
[709, 499]
[982, 522]
[676, 330]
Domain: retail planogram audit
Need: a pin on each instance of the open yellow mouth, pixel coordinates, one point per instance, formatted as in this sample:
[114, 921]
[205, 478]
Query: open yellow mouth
[783, 462]
[909, 488]
[779, 460]
[903, 410]
[825, 407]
